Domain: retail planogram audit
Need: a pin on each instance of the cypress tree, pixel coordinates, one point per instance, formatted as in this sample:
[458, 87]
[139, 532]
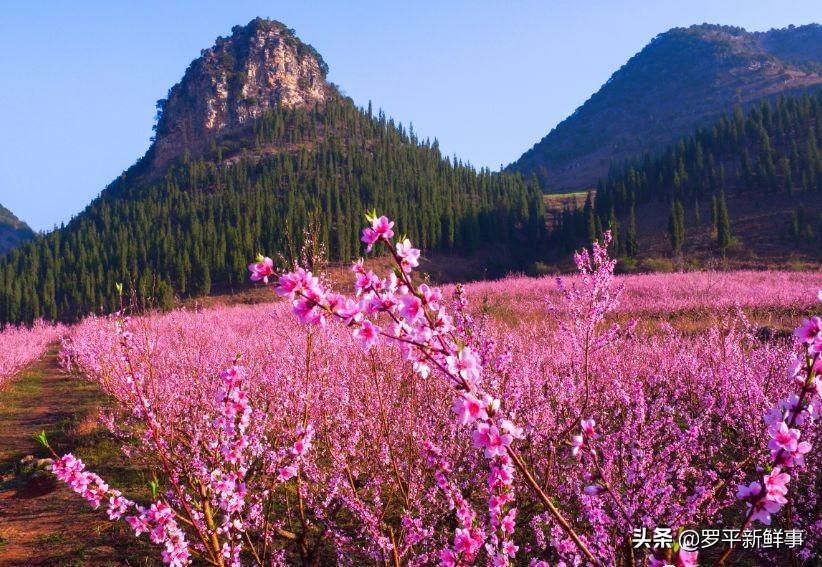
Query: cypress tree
[676, 226]
[631, 245]
[590, 222]
[723, 225]
[613, 226]
[680, 214]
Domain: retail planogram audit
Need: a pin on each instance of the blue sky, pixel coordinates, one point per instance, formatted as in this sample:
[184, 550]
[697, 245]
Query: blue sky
[488, 79]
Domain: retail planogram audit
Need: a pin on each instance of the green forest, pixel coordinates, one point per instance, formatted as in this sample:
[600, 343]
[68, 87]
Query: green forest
[772, 149]
[193, 227]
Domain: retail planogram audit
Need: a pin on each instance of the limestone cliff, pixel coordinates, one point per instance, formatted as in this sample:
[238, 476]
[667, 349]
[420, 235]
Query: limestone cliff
[261, 65]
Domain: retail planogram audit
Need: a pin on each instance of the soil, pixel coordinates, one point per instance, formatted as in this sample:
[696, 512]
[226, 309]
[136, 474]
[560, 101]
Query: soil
[42, 522]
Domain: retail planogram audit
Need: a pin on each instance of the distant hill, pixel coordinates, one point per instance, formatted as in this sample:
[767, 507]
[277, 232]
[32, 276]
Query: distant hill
[13, 231]
[253, 146]
[684, 78]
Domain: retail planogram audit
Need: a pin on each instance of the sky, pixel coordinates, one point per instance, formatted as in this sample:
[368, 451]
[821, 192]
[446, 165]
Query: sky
[80, 80]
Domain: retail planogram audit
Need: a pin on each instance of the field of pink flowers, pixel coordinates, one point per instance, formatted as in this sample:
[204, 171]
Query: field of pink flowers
[517, 422]
[20, 346]
[691, 298]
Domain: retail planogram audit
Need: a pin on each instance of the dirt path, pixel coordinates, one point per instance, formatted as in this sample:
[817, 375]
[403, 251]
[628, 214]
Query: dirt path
[41, 522]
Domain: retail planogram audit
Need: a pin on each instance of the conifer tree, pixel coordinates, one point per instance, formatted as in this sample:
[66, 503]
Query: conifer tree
[613, 226]
[723, 225]
[631, 244]
[676, 226]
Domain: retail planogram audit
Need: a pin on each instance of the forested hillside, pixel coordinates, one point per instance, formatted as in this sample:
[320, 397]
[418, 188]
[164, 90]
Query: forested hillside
[767, 162]
[195, 226]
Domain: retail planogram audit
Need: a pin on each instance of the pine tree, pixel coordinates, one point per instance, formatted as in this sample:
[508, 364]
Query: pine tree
[201, 277]
[796, 226]
[590, 222]
[613, 226]
[676, 226]
[723, 225]
[631, 245]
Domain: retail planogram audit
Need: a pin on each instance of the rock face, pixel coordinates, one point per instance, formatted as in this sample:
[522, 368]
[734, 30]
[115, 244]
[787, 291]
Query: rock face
[13, 231]
[258, 67]
[682, 79]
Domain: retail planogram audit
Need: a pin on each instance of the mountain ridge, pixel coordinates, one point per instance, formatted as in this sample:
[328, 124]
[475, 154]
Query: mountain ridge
[225, 179]
[13, 231]
[682, 79]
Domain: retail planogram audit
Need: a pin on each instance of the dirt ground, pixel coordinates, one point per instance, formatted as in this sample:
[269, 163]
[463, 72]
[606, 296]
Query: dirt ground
[43, 522]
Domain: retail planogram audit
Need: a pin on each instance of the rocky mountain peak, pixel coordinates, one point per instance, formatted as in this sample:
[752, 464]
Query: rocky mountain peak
[260, 66]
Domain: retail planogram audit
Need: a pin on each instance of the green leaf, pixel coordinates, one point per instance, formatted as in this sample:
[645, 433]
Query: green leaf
[41, 438]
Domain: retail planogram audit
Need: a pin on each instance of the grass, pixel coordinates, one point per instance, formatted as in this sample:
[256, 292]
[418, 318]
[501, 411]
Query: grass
[50, 538]
[46, 521]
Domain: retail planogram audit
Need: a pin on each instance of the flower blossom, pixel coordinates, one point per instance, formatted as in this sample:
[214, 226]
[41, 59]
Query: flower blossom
[783, 438]
[578, 442]
[261, 269]
[577, 445]
[411, 307]
[588, 427]
[785, 446]
[594, 489]
[467, 543]
[809, 331]
[157, 520]
[767, 501]
[489, 438]
[90, 486]
[469, 409]
[410, 256]
[380, 229]
[464, 364]
[368, 333]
